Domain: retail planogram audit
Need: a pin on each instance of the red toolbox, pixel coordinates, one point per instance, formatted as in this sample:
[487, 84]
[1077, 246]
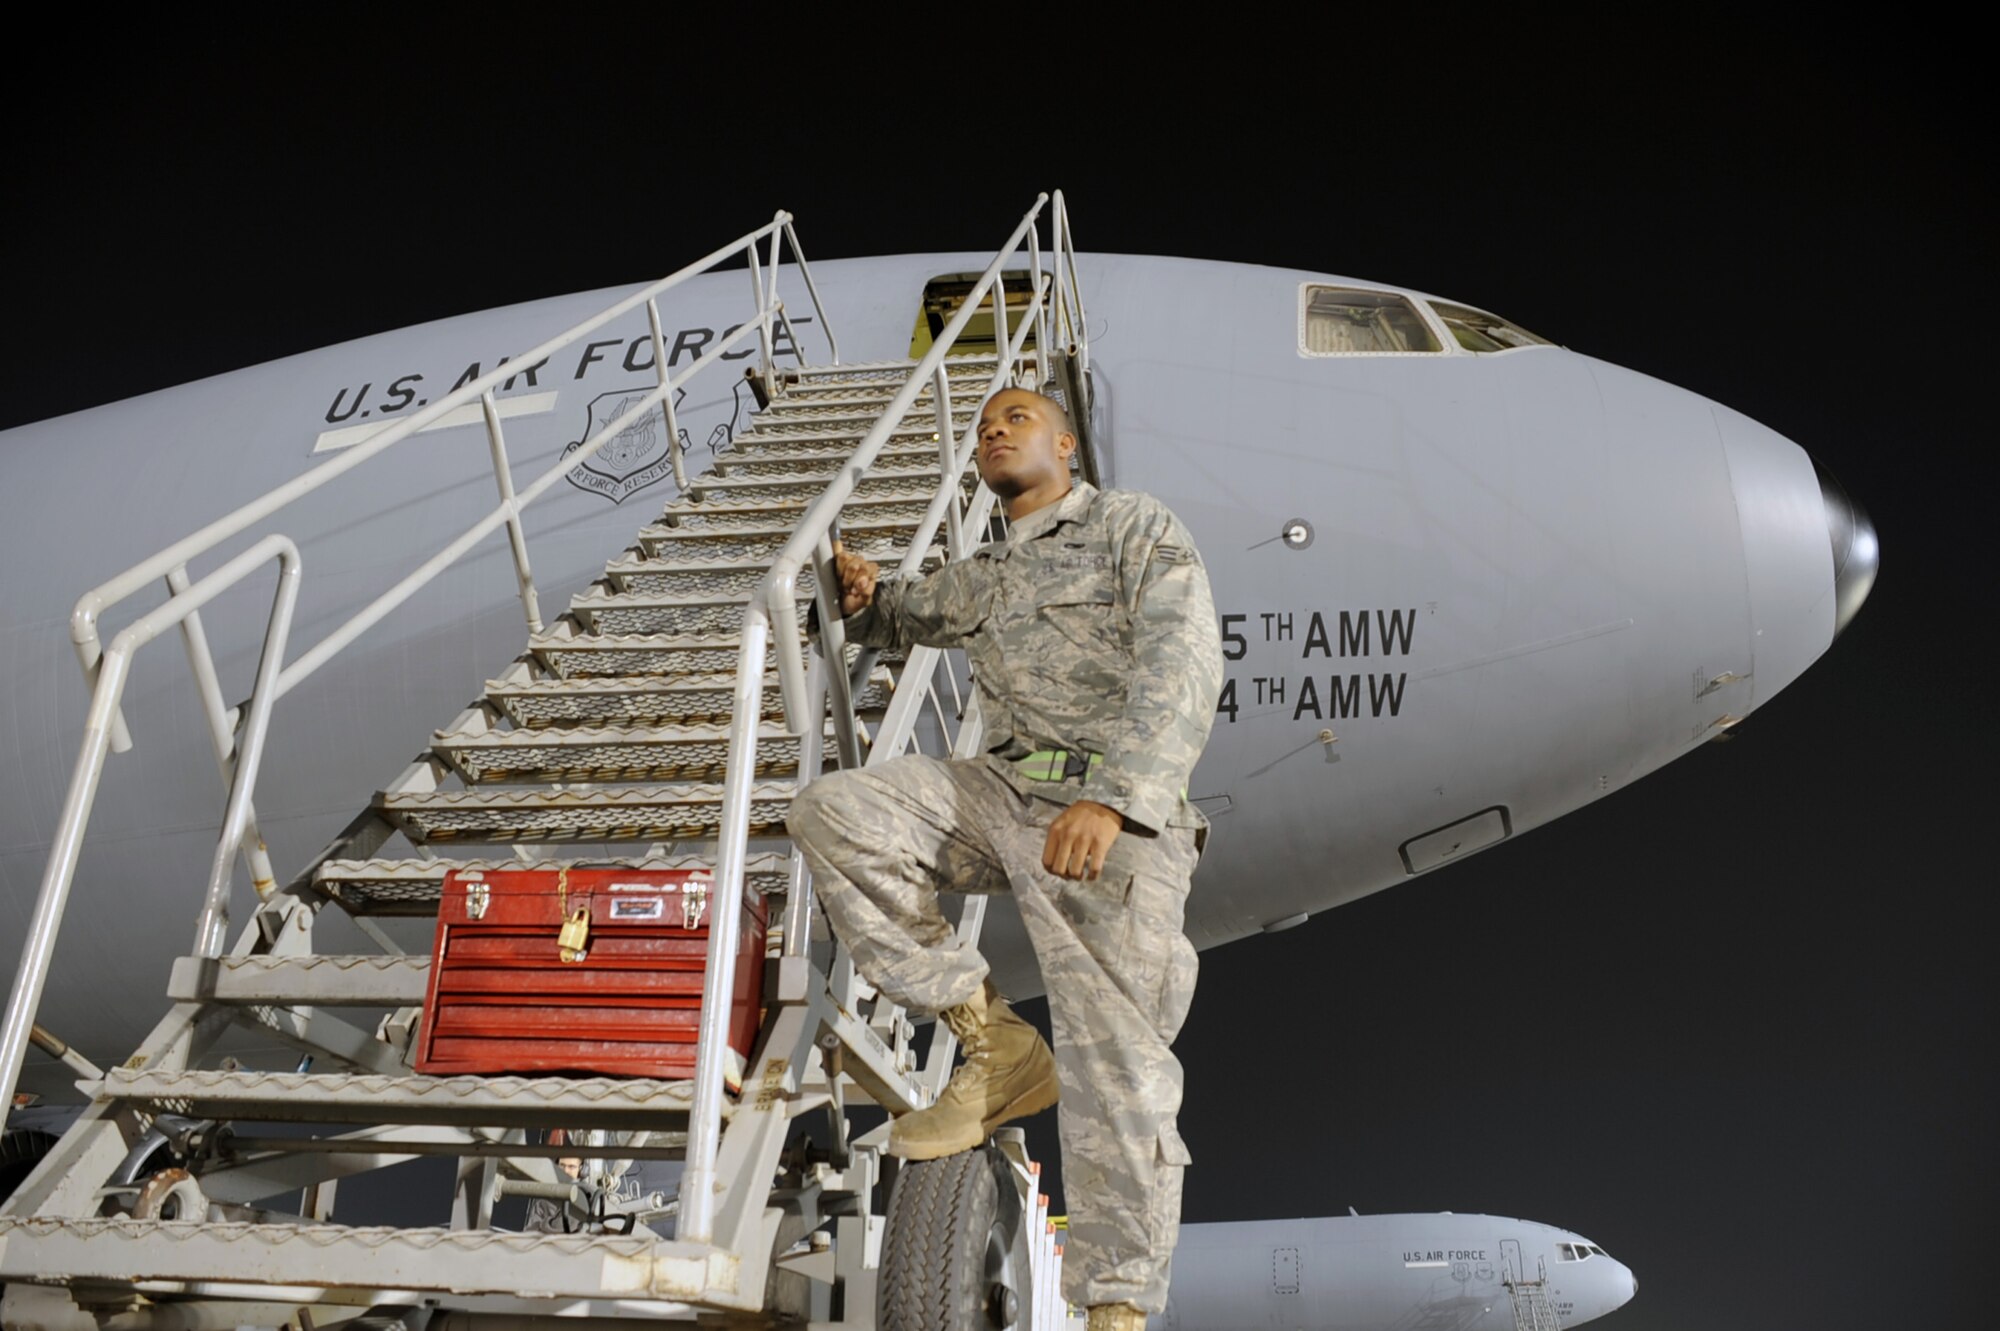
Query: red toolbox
[581, 970]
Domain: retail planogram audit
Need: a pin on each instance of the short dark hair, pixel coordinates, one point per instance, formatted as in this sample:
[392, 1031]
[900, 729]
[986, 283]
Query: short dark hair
[1064, 425]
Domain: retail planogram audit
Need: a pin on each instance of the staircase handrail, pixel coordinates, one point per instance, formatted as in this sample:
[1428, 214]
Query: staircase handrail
[1069, 290]
[771, 621]
[115, 664]
[90, 608]
[241, 754]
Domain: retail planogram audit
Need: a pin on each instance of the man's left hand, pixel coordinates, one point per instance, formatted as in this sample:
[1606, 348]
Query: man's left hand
[1080, 838]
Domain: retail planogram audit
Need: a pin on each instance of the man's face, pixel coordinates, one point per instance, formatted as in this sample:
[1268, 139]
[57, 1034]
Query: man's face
[1022, 445]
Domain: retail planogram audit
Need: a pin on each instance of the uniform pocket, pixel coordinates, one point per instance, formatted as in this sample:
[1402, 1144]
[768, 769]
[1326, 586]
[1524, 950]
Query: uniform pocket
[1173, 1151]
[1177, 990]
[1159, 962]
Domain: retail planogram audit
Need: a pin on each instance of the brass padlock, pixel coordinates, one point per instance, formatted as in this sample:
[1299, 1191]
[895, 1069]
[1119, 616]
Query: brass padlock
[574, 939]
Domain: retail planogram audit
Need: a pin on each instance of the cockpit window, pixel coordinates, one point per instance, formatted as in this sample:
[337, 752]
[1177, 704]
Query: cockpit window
[1479, 331]
[1348, 321]
[1599, 1251]
[1576, 1252]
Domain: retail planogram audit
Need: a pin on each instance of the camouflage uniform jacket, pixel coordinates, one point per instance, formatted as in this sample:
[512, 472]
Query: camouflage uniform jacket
[1089, 629]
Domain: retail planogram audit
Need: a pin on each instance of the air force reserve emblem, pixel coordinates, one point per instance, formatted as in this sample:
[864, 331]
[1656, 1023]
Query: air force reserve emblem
[634, 458]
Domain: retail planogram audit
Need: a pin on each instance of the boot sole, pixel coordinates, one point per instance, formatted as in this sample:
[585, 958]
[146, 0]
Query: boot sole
[1032, 1103]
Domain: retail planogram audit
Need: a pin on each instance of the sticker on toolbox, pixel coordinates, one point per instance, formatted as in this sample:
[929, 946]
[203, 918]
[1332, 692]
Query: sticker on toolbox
[638, 908]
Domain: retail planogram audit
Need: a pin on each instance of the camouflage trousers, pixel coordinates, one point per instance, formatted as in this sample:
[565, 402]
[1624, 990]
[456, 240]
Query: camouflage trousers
[883, 841]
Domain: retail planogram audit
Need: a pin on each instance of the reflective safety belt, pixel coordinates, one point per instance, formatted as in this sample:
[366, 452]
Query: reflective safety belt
[1058, 765]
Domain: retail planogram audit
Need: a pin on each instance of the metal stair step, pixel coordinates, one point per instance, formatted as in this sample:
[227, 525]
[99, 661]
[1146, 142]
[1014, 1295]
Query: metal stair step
[635, 574]
[744, 536]
[811, 441]
[683, 580]
[651, 612]
[863, 511]
[458, 1262]
[318, 981]
[829, 396]
[899, 369]
[571, 654]
[649, 812]
[414, 887]
[888, 375]
[886, 372]
[460, 1101]
[611, 753]
[912, 481]
[637, 700]
[857, 399]
[785, 417]
[817, 458]
[763, 499]
[855, 422]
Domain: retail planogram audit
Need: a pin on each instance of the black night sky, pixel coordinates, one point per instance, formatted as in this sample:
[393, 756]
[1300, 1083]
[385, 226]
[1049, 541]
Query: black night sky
[1726, 1022]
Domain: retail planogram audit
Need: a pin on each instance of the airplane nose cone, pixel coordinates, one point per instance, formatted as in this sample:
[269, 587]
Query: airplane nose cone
[1808, 552]
[1856, 553]
[1631, 1287]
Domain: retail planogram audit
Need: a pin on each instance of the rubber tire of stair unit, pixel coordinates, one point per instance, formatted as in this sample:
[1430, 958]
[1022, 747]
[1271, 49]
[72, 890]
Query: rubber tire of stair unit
[21, 1149]
[953, 1233]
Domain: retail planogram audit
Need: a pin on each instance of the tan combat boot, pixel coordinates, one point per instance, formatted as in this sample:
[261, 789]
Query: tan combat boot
[1008, 1073]
[1116, 1317]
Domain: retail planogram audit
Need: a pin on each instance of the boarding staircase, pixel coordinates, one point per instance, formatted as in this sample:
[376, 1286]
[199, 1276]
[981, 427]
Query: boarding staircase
[1532, 1309]
[664, 721]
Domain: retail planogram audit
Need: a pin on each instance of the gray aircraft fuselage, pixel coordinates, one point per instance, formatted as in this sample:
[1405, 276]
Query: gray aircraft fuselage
[1384, 1273]
[1515, 582]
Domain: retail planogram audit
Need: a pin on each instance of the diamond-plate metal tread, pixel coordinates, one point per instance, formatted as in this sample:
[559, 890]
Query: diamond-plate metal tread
[462, 1262]
[680, 518]
[414, 887]
[680, 753]
[920, 441]
[964, 370]
[898, 370]
[791, 462]
[779, 419]
[640, 700]
[316, 981]
[542, 814]
[684, 581]
[600, 655]
[751, 538]
[649, 613]
[464, 1101]
[850, 396]
[857, 400]
[684, 577]
[912, 481]
[762, 496]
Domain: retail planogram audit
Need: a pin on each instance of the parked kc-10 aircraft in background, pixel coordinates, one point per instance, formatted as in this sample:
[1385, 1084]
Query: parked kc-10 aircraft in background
[1467, 580]
[1388, 1273]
